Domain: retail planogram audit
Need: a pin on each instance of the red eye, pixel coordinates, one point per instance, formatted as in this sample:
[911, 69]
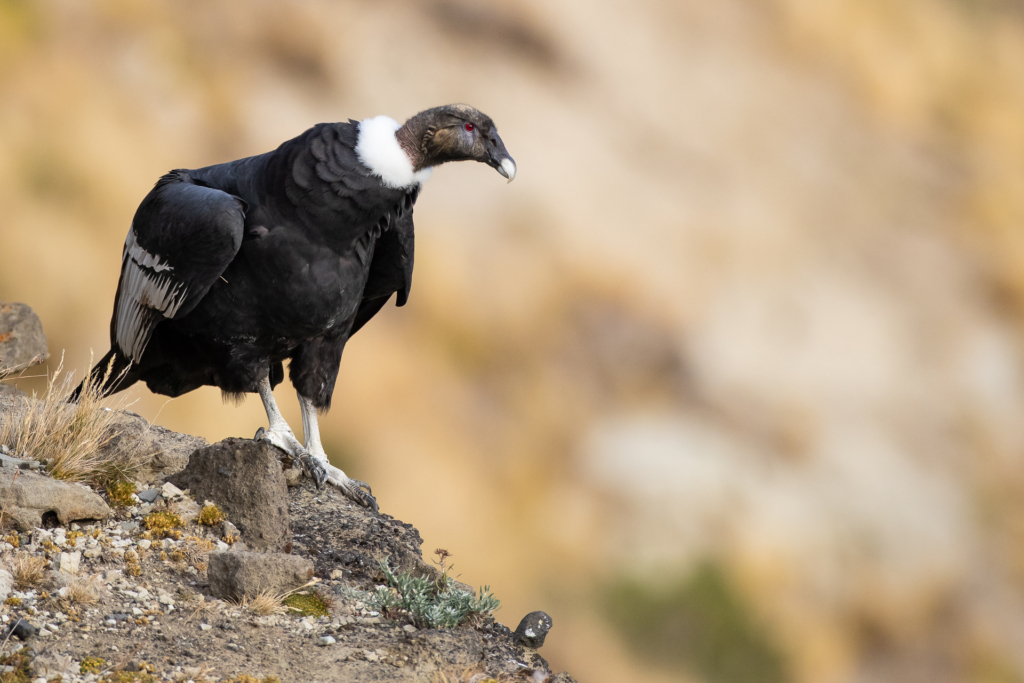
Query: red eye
[470, 127]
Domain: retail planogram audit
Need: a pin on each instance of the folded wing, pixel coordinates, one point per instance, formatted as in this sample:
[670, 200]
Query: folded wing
[182, 239]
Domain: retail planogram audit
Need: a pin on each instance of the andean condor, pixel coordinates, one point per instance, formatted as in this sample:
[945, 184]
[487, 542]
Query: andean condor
[229, 270]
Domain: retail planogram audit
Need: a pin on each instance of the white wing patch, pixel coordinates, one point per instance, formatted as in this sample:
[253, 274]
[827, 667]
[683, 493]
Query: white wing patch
[148, 294]
[378, 148]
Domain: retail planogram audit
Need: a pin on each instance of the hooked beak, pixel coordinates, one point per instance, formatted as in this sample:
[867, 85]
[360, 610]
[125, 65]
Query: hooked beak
[499, 159]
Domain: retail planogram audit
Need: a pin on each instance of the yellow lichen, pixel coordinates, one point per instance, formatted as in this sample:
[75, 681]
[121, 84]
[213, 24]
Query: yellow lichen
[162, 521]
[120, 493]
[211, 515]
[92, 665]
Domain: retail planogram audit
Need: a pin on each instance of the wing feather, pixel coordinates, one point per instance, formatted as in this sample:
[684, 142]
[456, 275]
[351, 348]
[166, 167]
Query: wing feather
[182, 239]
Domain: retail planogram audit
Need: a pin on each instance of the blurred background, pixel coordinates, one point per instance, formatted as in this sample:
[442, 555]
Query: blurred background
[729, 381]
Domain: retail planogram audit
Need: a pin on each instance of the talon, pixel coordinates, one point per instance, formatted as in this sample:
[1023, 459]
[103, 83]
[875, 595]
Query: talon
[261, 435]
[314, 469]
[353, 490]
[363, 485]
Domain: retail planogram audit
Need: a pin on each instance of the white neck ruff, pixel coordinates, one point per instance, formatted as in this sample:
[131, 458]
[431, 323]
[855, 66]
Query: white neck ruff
[378, 149]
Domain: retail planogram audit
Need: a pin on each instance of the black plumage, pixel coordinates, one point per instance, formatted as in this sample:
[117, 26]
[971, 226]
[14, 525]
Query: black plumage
[232, 269]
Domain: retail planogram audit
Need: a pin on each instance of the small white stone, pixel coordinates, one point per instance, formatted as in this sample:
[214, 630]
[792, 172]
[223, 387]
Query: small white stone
[69, 562]
[44, 632]
[205, 627]
[92, 553]
[145, 543]
[169, 490]
[221, 545]
[327, 640]
[409, 628]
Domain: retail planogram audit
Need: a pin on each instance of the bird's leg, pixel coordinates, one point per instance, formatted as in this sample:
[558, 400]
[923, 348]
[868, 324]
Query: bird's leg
[355, 490]
[279, 434]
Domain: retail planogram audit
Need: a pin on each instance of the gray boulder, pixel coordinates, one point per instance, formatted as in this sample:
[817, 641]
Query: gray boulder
[22, 342]
[244, 478]
[165, 452]
[31, 497]
[234, 575]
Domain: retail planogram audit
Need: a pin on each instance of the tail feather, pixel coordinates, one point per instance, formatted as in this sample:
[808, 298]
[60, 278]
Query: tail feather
[113, 372]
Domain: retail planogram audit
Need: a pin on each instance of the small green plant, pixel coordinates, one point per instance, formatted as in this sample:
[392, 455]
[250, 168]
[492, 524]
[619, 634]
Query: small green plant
[19, 661]
[211, 515]
[432, 604]
[92, 665]
[120, 493]
[308, 604]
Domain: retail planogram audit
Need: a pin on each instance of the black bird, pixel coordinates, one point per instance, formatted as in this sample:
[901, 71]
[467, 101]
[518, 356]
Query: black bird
[229, 270]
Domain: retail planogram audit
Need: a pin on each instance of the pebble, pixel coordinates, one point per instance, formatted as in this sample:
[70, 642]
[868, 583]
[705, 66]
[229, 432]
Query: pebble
[533, 629]
[169, 490]
[149, 496]
[145, 544]
[409, 628]
[327, 640]
[43, 632]
[130, 526]
[204, 627]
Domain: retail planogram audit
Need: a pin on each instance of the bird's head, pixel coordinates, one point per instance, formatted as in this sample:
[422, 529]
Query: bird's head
[455, 132]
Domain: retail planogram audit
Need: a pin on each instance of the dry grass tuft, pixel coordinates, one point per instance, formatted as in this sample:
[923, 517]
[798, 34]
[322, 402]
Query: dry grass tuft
[28, 570]
[82, 591]
[265, 603]
[75, 440]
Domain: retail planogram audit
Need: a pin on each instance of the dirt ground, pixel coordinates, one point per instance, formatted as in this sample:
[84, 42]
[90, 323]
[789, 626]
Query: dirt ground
[164, 623]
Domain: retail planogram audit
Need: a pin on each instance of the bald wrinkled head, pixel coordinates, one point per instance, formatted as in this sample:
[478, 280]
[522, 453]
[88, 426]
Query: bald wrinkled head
[454, 132]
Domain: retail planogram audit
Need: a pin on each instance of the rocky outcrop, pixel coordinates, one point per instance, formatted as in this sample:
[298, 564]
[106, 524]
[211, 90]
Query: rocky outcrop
[33, 500]
[234, 575]
[22, 342]
[244, 478]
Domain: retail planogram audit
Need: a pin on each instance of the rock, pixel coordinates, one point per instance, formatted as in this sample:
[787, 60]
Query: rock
[533, 629]
[69, 562]
[20, 629]
[34, 498]
[51, 666]
[22, 342]
[130, 526]
[168, 451]
[409, 628]
[233, 575]
[293, 476]
[327, 640]
[6, 584]
[170, 491]
[149, 496]
[245, 480]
